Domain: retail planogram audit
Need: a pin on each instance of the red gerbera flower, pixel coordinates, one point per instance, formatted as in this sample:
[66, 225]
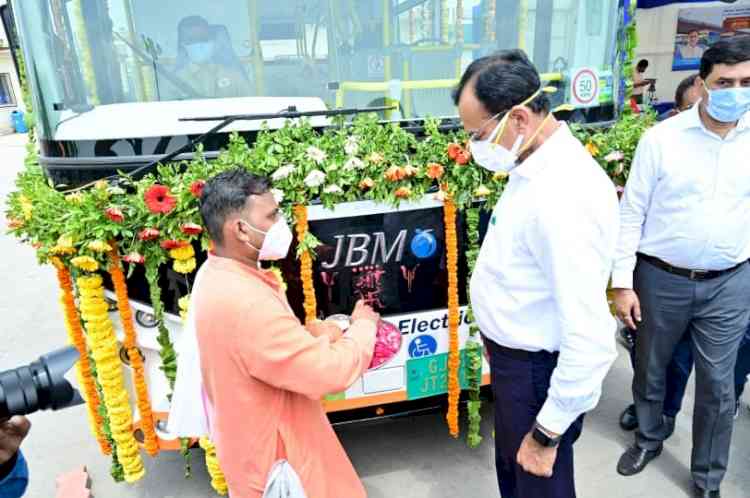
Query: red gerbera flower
[158, 199]
[196, 188]
[148, 234]
[191, 229]
[134, 257]
[115, 214]
[170, 244]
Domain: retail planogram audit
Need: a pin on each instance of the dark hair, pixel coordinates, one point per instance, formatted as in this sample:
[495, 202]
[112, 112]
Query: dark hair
[503, 80]
[730, 52]
[693, 31]
[679, 94]
[225, 194]
[643, 63]
[192, 22]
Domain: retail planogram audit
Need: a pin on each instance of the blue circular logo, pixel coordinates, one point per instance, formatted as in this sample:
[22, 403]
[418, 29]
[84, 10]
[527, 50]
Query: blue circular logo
[423, 245]
[422, 345]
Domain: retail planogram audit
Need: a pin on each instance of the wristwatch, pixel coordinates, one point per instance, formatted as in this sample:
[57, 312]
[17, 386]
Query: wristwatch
[543, 438]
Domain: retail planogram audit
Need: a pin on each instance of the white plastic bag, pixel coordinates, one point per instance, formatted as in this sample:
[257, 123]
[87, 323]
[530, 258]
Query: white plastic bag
[283, 482]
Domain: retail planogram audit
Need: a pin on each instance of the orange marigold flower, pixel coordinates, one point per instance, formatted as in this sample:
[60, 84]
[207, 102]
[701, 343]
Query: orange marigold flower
[159, 200]
[410, 171]
[395, 173]
[463, 157]
[402, 192]
[454, 150]
[435, 171]
[366, 184]
[592, 148]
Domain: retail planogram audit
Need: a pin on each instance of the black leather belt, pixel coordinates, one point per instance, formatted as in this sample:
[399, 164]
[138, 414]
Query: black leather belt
[691, 274]
[516, 354]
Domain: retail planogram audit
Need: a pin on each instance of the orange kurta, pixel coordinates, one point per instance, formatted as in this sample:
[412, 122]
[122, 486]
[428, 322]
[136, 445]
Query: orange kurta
[265, 374]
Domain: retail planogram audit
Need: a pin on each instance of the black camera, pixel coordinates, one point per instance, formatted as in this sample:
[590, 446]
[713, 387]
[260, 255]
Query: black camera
[40, 385]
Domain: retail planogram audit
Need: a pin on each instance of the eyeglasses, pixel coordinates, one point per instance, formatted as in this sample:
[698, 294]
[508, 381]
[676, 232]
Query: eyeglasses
[474, 136]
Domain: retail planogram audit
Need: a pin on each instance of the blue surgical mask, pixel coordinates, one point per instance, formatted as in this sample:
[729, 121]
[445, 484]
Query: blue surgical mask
[200, 52]
[728, 105]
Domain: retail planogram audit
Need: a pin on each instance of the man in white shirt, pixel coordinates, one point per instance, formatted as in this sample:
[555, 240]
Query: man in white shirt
[692, 50]
[538, 288]
[681, 264]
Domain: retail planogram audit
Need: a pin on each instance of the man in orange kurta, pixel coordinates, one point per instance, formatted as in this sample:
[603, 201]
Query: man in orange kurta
[263, 372]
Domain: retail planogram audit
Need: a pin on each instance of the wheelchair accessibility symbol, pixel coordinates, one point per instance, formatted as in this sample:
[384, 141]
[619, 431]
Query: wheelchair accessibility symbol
[422, 345]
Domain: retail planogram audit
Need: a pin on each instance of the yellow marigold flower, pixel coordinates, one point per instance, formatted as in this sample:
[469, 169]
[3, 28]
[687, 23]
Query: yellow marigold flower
[101, 185]
[75, 198]
[99, 246]
[592, 148]
[57, 262]
[90, 282]
[184, 266]
[277, 273]
[482, 191]
[86, 263]
[26, 206]
[182, 253]
[500, 175]
[183, 303]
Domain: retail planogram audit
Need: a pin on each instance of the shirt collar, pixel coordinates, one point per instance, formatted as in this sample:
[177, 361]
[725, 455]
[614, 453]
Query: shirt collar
[692, 119]
[233, 265]
[539, 160]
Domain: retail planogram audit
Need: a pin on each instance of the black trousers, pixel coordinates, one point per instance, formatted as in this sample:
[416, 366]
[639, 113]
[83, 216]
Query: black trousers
[520, 387]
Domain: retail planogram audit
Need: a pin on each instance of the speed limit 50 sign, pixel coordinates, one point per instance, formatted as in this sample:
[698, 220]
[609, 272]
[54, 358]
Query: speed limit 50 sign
[584, 88]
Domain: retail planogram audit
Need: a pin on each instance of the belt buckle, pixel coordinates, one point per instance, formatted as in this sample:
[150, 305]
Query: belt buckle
[695, 274]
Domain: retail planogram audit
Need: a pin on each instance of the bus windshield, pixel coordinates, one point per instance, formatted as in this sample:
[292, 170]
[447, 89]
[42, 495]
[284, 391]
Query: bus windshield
[103, 68]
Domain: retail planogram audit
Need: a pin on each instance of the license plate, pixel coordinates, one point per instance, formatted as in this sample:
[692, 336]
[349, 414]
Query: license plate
[429, 376]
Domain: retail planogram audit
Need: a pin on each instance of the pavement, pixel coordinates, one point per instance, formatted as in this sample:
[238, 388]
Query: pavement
[409, 457]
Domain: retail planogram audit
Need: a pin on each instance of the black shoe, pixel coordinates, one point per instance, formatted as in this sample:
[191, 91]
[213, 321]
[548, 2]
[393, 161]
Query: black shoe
[669, 424]
[628, 419]
[635, 460]
[704, 493]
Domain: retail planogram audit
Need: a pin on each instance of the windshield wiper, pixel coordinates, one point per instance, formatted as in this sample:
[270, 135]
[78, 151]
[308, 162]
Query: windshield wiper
[288, 113]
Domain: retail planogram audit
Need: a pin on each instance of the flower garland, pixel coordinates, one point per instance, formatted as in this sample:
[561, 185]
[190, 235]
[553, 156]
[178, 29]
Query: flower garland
[136, 360]
[218, 481]
[184, 259]
[473, 346]
[306, 271]
[103, 344]
[454, 357]
[83, 366]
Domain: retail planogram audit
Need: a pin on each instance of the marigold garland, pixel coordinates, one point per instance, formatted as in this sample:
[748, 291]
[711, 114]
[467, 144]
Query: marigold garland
[306, 271]
[454, 356]
[134, 355]
[83, 366]
[103, 344]
[218, 481]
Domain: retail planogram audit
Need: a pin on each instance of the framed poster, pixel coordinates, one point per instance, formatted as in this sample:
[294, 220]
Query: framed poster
[699, 28]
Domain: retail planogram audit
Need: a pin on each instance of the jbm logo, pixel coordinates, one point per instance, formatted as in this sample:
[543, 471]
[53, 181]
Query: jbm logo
[358, 249]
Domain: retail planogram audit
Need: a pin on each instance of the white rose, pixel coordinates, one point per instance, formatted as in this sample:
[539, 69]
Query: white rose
[283, 172]
[315, 178]
[352, 146]
[278, 195]
[354, 163]
[316, 154]
[332, 189]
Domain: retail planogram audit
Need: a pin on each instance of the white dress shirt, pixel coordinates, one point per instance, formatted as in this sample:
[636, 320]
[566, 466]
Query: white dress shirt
[687, 199]
[541, 277]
